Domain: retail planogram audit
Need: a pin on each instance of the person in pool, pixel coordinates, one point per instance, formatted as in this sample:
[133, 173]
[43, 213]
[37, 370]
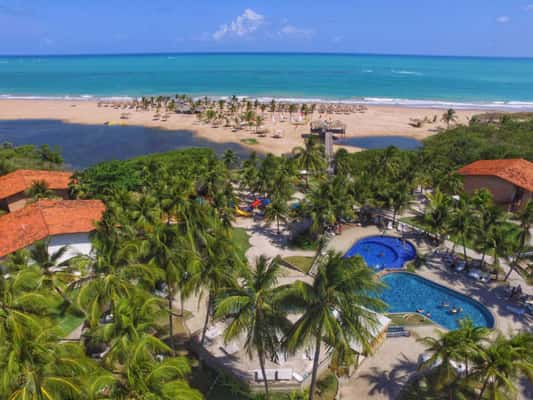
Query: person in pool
[420, 310]
[444, 304]
[428, 315]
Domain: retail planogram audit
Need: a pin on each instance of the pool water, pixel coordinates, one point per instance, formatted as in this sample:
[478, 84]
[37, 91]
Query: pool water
[383, 252]
[407, 292]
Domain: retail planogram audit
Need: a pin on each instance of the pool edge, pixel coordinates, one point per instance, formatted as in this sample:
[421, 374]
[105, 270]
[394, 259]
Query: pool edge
[483, 307]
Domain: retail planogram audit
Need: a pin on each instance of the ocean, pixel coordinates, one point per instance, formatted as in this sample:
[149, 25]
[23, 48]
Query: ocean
[419, 81]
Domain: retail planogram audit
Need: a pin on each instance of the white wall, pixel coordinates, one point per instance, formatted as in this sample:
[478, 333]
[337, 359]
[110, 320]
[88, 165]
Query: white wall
[78, 243]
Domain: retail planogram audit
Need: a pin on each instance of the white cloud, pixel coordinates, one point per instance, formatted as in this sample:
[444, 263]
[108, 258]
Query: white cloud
[245, 24]
[503, 19]
[291, 30]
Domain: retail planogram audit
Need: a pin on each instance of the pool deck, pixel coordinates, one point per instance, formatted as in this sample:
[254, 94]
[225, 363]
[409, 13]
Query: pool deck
[384, 374]
[490, 295]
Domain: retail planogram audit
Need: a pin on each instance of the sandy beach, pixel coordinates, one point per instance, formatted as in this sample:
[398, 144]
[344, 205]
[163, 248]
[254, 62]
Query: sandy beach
[375, 121]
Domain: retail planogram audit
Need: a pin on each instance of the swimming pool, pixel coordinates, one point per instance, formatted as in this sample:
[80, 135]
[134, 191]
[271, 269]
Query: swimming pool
[407, 292]
[383, 252]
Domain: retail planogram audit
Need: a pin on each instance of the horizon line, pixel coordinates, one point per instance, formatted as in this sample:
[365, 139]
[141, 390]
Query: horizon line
[331, 53]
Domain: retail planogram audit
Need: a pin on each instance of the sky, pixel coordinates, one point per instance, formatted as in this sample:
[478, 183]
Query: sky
[428, 27]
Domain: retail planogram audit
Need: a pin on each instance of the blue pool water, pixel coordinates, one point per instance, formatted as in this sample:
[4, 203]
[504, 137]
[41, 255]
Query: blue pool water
[383, 252]
[408, 292]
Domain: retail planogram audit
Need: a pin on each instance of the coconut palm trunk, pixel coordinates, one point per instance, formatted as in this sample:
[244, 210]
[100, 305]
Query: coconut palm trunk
[261, 356]
[170, 319]
[316, 360]
[206, 321]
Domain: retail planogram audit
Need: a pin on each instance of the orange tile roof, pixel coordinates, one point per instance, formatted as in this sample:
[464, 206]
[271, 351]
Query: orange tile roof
[43, 218]
[22, 179]
[516, 170]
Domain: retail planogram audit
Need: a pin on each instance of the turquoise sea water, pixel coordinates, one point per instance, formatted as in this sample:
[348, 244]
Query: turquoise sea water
[409, 80]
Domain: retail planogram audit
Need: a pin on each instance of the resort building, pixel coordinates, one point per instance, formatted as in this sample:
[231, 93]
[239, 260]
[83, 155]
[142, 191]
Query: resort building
[13, 186]
[510, 181]
[62, 222]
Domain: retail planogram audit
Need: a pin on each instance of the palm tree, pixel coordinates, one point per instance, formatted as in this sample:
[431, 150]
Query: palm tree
[335, 309]
[36, 366]
[399, 196]
[328, 203]
[249, 117]
[217, 270]
[230, 158]
[489, 218]
[292, 109]
[462, 222]
[39, 190]
[445, 349]
[502, 363]
[56, 273]
[310, 157]
[258, 122]
[175, 256]
[437, 213]
[526, 221]
[471, 339]
[253, 311]
[277, 211]
[449, 117]
[149, 373]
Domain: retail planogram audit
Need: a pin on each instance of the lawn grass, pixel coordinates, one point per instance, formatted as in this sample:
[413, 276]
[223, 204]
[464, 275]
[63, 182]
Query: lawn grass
[241, 238]
[301, 263]
[408, 319]
[67, 323]
[249, 141]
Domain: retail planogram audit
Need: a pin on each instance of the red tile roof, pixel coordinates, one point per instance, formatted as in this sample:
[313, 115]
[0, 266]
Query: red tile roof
[22, 179]
[517, 171]
[43, 218]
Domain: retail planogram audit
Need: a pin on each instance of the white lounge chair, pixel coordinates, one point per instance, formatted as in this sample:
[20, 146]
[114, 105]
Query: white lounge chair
[214, 332]
[284, 374]
[297, 377]
[270, 375]
[230, 348]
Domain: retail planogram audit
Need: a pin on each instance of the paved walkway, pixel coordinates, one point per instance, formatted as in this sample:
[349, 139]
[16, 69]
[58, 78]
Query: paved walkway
[383, 375]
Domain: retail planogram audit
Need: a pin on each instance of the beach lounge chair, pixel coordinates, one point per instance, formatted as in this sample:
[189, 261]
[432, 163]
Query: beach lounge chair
[516, 310]
[398, 334]
[284, 374]
[230, 348]
[270, 375]
[214, 332]
[297, 377]
[460, 266]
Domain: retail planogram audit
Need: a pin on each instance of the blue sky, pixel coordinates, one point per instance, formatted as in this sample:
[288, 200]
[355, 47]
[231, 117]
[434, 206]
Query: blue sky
[452, 27]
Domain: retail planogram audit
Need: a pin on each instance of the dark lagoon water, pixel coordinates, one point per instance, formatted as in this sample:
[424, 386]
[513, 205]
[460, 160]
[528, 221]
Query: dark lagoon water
[86, 145]
[381, 142]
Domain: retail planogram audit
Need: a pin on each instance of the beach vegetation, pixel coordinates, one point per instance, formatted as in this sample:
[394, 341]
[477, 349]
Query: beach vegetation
[490, 366]
[28, 157]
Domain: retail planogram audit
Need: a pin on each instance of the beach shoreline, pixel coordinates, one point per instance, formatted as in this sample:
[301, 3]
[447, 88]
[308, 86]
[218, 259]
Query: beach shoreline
[376, 120]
